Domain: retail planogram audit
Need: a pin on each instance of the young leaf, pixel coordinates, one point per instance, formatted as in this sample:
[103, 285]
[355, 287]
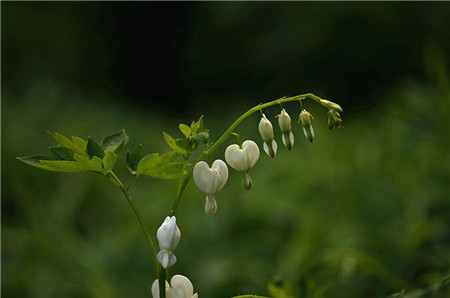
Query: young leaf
[62, 166]
[185, 130]
[160, 167]
[201, 136]
[133, 158]
[94, 149]
[62, 153]
[173, 144]
[109, 160]
[78, 145]
[95, 164]
[115, 142]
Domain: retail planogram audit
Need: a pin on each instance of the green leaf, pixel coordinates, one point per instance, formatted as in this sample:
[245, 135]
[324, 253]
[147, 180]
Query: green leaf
[195, 126]
[50, 164]
[62, 153]
[94, 149]
[115, 142]
[173, 144]
[201, 137]
[35, 160]
[185, 130]
[133, 158]
[78, 145]
[160, 167]
[109, 160]
[62, 166]
[94, 164]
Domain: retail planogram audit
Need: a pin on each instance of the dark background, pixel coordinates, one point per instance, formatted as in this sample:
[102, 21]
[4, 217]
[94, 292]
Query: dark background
[361, 212]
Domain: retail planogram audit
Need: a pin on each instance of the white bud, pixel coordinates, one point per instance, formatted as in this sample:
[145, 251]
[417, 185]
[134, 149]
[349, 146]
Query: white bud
[168, 236]
[305, 118]
[284, 121]
[265, 129]
[210, 181]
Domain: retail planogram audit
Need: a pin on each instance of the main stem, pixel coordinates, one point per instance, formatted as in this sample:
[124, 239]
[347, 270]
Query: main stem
[227, 134]
[124, 190]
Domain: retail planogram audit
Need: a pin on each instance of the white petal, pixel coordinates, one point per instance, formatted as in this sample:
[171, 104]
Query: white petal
[275, 147]
[252, 151]
[181, 287]
[236, 158]
[222, 171]
[283, 139]
[312, 131]
[291, 137]
[155, 288]
[166, 232]
[265, 129]
[305, 132]
[210, 205]
[166, 258]
[266, 148]
[205, 178]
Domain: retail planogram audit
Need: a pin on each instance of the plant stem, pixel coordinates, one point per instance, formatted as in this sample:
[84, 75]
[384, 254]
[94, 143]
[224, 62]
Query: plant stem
[228, 132]
[124, 190]
[162, 282]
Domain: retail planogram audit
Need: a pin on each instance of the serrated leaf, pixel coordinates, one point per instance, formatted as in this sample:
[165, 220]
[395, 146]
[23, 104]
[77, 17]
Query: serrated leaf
[115, 142]
[62, 166]
[62, 153]
[109, 160]
[133, 158]
[78, 146]
[94, 164]
[173, 144]
[185, 130]
[168, 171]
[35, 160]
[160, 167]
[94, 149]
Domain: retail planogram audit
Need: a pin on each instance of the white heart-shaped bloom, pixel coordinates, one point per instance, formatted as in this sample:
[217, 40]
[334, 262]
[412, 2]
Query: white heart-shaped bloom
[265, 129]
[210, 180]
[181, 287]
[168, 236]
[242, 159]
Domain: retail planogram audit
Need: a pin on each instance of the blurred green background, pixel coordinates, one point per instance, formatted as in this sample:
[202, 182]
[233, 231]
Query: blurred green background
[362, 212]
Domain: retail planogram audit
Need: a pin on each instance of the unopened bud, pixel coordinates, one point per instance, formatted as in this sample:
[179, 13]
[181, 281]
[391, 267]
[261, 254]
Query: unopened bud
[330, 105]
[305, 118]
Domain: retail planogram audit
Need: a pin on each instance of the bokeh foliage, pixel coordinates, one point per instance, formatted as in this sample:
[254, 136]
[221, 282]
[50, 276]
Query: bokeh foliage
[362, 212]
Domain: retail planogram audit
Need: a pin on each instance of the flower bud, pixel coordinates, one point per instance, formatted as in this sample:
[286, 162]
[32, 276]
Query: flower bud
[330, 105]
[181, 287]
[284, 121]
[168, 237]
[266, 131]
[305, 118]
[210, 181]
[334, 119]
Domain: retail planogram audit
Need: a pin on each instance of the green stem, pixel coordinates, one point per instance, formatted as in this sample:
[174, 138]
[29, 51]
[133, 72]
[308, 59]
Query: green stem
[228, 132]
[162, 282]
[114, 179]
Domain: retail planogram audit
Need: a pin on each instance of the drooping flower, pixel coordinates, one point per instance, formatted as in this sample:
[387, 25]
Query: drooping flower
[266, 131]
[168, 236]
[284, 121]
[305, 118]
[181, 287]
[242, 159]
[210, 181]
[334, 118]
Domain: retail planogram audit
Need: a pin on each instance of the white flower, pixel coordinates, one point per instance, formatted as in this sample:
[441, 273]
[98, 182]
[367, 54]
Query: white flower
[210, 181]
[243, 159]
[285, 126]
[266, 131]
[168, 237]
[181, 288]
[305, 118]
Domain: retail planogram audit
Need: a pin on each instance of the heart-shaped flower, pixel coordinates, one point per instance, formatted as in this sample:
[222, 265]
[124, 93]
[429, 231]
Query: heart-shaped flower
[181, 287]
[243, 159]
[210, 181]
